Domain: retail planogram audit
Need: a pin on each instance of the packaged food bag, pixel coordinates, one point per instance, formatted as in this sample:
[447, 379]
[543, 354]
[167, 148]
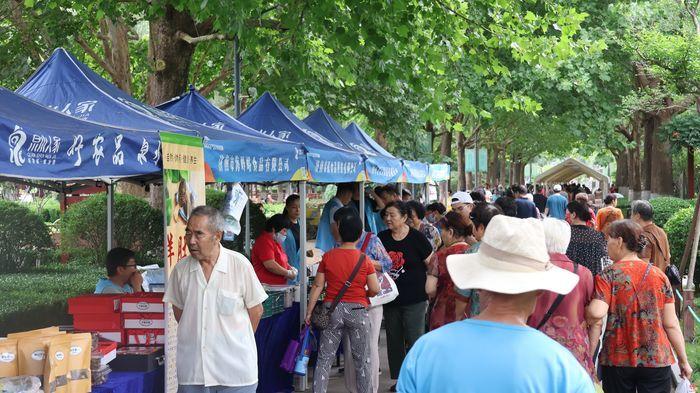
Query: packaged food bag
[8, 358]
[47, 331]
[56, 365]
[79, 377]
[32, 354]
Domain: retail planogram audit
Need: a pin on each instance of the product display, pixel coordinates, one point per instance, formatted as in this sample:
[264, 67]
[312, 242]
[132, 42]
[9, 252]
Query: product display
[79, 380]
[140, 358]
[144, 302]
[145, 336]
[56, 364]
[8, 358]
[23, 384]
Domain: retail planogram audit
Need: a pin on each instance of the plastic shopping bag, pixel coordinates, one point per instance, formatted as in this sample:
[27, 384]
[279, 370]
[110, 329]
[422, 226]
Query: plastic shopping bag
[684, 386]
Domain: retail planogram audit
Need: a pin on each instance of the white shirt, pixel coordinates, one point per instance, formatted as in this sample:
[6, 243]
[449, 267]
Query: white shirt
[215, 339]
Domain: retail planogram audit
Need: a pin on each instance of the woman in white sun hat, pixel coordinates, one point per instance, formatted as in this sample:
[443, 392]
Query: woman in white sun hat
[496, 351]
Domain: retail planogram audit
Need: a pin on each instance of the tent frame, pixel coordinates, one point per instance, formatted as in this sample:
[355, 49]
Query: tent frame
[570, 169]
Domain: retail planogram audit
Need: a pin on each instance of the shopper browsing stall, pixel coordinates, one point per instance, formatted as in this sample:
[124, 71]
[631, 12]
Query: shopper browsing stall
[327, 235]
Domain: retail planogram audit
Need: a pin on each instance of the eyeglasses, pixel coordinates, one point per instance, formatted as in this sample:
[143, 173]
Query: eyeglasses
[131, 265]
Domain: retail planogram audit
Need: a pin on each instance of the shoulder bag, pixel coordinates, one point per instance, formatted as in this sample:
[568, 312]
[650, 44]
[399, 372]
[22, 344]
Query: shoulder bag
[388, 291]
[321, 316]
[554, 305]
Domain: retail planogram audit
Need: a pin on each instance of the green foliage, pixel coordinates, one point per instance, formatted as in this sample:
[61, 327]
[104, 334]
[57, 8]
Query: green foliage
[677, 228]
[24, 238]
[37, 298]
[136, 226]
[666, 207]
[624, 204]
[270, 209]
[683, 130]
[216, 198]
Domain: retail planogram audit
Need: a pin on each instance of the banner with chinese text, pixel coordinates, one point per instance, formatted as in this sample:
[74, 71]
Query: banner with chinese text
[183, 189]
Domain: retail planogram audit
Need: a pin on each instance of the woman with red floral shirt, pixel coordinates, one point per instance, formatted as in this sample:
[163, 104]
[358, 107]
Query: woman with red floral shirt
[642, 327]
[449, 306]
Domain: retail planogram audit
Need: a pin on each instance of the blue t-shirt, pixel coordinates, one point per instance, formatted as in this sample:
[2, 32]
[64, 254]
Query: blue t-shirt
[482, 356]
[557, 206]
[324, 237]
[105, 285]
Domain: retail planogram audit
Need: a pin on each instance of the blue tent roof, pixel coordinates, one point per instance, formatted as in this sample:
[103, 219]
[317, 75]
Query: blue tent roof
[64, 83]
[360, 136]
[379, 169]
[289, 156]
[46, 144]
[328, 161]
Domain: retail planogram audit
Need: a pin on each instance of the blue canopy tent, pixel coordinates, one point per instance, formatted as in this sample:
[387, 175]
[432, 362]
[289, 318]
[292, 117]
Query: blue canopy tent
[328, 161]
[379, 169]
[64, 83]
[278, 156]
[47, 145]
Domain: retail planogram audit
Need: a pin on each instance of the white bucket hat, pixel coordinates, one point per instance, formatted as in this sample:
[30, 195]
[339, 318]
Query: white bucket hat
[512, 259]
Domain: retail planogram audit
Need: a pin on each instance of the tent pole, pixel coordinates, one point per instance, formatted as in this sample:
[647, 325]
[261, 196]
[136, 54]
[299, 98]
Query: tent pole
[413, 191]
[362, 202]
[246, 246]
[110, 215]
[303, 280]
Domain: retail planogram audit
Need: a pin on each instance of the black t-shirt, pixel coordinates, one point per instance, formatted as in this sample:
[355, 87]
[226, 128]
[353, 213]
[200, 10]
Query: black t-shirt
[408, 267]
[540, 201]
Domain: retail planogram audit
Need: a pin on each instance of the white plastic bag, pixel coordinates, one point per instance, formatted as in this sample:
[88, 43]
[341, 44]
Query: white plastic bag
[387, 290]
[232, 210]
[684, 386]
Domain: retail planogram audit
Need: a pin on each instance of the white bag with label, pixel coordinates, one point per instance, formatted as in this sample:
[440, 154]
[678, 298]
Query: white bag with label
[387, 290]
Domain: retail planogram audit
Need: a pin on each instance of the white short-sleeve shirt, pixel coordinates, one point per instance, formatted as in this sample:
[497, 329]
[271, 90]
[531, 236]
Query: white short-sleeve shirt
[215, 339]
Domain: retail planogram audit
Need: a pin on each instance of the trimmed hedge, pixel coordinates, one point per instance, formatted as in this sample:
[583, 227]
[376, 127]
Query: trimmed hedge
[24, 238]
[624, 204]
[677, 229]
[137, 226]
[215, 198]
[666, 207]
[38, 297]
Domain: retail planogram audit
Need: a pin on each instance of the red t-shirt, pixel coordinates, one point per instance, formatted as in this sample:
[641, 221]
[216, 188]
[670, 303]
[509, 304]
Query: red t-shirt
[337, 264]
[265, 249]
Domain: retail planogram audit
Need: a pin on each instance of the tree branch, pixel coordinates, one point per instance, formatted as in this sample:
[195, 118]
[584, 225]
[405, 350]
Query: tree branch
[225, 73]
[100, 61]
[194, 40]
[623, 130]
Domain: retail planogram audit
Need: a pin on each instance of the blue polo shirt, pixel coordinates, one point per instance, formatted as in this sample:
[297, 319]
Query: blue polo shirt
[557, 206]
[482, 356]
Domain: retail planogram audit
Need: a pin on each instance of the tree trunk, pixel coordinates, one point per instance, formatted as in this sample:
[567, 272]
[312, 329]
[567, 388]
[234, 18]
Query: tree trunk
[170, 56]
[430, 129]
[115, 44]
[503, 169]
[662, 163]
[380, 138]
[446, 143]
[622, 178]
[461, 162]
[492, 170]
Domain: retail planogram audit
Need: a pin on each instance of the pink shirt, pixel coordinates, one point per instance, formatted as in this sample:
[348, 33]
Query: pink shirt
[567, 325]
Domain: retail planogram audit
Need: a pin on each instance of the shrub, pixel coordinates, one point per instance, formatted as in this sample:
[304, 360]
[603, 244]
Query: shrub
[137, 226]
[24, 238]
[215, 198]
[51, 214]
[624, 205]
[665, 207]
[677, 229]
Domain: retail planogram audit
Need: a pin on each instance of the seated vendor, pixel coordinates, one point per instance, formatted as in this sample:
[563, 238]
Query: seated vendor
[123, 277]
[269, 259]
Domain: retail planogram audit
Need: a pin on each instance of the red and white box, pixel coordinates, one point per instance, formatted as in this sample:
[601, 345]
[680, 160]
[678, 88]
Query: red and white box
[145, 336]
[94, 304]
[116, 336]
[144, 321]
[97, 322]
[108, 350]
[144, 302]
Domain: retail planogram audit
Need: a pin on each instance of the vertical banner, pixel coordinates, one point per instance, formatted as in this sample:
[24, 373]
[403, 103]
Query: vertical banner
[183, 190]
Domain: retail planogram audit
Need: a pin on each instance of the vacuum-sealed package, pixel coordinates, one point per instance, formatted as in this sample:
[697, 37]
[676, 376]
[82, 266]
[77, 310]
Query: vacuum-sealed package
[8, 358]
[79, 379]
[56, 365]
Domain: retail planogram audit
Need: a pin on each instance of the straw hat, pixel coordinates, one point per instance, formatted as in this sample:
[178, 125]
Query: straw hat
[512, 259]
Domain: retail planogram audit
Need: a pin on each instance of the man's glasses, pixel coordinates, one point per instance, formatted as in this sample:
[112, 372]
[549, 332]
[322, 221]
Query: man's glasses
[131, 265]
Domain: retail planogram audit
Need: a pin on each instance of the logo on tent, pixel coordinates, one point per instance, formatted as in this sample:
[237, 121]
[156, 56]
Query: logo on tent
[17, 140]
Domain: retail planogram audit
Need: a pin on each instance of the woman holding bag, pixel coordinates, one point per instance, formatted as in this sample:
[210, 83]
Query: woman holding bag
[347, 304]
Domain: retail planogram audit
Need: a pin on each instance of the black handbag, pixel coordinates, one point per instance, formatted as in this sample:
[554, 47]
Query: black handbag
[674, 275]
[321, 316]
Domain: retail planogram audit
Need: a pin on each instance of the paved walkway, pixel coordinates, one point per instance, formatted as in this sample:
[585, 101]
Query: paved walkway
[337, 381]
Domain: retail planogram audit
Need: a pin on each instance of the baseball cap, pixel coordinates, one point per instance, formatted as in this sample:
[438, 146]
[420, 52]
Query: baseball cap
[461, 197]
[557, 188]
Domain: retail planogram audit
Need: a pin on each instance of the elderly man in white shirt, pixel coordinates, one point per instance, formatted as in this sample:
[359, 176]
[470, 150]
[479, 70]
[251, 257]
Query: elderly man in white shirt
[217, 301]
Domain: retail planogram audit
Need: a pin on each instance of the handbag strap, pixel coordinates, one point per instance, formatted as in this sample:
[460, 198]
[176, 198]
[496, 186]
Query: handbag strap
[365, 242]
[348, 282]
[554, 305]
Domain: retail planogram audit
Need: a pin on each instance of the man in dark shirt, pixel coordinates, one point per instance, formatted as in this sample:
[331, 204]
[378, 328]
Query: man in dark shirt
[540, 199]
[526, 208]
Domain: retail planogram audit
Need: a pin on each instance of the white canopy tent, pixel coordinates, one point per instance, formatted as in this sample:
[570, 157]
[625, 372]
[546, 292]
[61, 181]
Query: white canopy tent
[570, 169]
